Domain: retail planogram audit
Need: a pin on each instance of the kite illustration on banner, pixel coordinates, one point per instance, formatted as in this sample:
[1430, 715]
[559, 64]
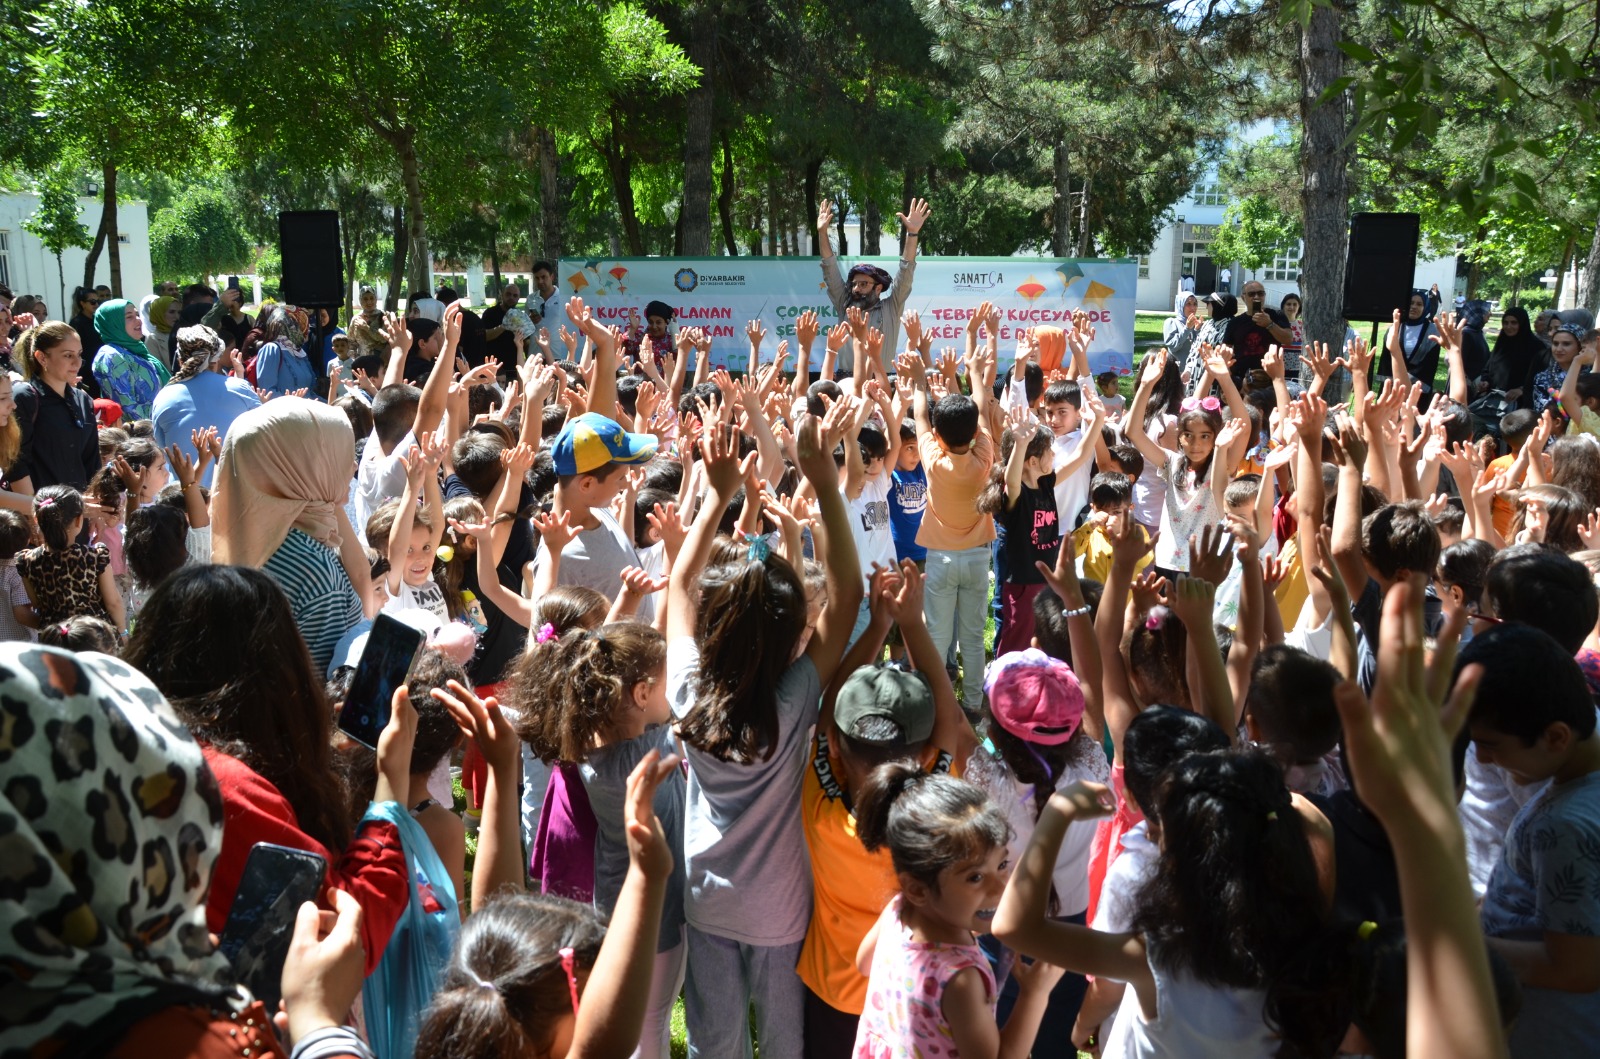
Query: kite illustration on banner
[1031, 289]
[1096, 293]
[603, 283]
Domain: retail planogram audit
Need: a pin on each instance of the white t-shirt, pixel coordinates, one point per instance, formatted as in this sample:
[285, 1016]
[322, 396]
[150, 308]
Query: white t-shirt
[869, 524]
[1072, 490]
[596, 558]
[428, 597]
[379, 477]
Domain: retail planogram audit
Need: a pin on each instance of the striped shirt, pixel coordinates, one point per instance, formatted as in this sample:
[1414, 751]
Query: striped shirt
[324, 603]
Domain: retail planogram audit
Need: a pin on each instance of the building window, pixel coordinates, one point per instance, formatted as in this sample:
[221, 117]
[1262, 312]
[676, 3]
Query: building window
[1210, 195]
[1144, 266]
[124, 238]
[1284, 266]
[5, 257]
[1193, 249]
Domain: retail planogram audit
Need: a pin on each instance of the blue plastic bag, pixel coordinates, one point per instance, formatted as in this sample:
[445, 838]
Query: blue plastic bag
[403, 985]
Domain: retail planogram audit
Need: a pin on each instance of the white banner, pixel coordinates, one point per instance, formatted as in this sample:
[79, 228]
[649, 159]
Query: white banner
[721, 294]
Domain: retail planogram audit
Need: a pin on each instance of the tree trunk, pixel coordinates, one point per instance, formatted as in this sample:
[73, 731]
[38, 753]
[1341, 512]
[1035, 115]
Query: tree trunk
[61, 277]
[1589, 289]
[108, 218]
[699, 106]
[494, 263]
[774, 223]
[1061, 230]
[813, 174]
[108, 223]
[1324, 171]
[620, 168]
[421, 260]
[1085, 239]
[1561, 273]
[552, 210]
[397, 261]
[725, 199]
[838, 222]
[871, 227]
[908, 186]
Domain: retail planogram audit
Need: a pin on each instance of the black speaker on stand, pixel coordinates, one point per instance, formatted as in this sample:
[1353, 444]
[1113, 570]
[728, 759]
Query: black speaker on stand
[1381, 266]
[313, 268]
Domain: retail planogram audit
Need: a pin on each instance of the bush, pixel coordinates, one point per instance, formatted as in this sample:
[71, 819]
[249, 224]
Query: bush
[1535, 300]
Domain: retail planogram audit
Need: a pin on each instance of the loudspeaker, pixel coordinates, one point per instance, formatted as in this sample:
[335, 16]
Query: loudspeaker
[313, 269]
[1381, 266]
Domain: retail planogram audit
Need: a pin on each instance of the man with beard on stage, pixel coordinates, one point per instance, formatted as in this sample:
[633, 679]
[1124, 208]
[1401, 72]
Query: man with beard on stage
[868, 287]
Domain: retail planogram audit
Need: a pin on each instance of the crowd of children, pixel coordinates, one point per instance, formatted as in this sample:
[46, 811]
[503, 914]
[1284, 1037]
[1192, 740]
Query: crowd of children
[942, 707]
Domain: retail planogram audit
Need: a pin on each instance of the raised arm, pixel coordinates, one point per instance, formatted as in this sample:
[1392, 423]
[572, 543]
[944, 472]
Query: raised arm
[720, 457]
[1154, 364]
[839, 560]
[603, 389]
[1350, 451]
[1194, 598]
[805, 336]
[1449, 328]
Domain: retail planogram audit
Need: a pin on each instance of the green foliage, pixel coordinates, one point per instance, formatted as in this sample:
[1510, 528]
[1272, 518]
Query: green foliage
[1253, 229]
[55, 223]
[198, 235]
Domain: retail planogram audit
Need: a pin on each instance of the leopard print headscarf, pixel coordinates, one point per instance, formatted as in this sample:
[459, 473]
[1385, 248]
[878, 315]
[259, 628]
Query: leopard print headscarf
[110, 823]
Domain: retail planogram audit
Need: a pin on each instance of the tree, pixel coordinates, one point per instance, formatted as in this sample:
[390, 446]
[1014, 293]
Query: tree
[100, 80]
[55, 223]
[199, 235]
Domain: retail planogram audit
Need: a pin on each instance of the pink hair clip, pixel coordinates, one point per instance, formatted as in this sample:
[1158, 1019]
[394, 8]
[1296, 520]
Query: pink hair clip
[547, 632]
[569, 963]
[1152, 621]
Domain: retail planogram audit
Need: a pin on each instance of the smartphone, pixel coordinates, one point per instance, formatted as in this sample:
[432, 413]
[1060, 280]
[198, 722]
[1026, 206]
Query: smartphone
[277, 880]
[392, 646]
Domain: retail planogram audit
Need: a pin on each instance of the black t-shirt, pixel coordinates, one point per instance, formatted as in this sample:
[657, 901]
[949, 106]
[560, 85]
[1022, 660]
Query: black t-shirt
[417, 368]
[1033, 532]
[504, 348]
[1366, 880]
[1249, 340]
[504, 639]
[474, 346]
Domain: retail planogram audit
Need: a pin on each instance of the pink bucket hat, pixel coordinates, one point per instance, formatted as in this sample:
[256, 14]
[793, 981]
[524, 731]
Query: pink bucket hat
[1034, 697]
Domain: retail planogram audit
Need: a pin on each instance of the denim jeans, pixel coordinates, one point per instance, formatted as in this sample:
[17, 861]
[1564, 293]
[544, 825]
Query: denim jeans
[955, 602]
[724, 978]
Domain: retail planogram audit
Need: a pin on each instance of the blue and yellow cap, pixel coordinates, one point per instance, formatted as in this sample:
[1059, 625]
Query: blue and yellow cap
[591, 441]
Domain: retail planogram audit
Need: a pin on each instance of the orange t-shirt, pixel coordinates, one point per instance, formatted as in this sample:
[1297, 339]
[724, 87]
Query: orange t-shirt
[850, 885]
[1502, 510]
[952, 522]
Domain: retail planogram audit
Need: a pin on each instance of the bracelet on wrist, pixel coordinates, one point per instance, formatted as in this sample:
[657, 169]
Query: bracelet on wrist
[1080, 612]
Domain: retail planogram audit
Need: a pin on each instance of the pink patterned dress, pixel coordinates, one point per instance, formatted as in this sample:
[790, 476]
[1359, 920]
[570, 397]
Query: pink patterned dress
[904, 1017]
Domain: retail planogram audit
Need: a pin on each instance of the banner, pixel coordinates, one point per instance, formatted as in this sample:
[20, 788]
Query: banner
[721, 294]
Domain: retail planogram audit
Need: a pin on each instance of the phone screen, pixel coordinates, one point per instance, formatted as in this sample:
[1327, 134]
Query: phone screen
[277, 880]
[392, 646]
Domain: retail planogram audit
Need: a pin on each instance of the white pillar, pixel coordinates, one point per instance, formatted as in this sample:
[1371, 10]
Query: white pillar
[474, 291]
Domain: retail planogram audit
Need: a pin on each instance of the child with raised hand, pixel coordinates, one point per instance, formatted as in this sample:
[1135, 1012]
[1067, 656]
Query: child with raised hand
[928, 982]
[64, 578]
[1021, 495]
[539, 975]
[598, 701]
[415, 534]
[1234, 901]
[163, 536]
[745, 698]
[1196, 475]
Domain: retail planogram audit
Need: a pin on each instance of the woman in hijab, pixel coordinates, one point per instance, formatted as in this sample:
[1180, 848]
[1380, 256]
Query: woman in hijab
[1182, 327]
[282, 366]
[202, 394]
[1474, 346]
[112, 825]
[163, 320]
[1515, 357]
[1414, 341]
[126, 371]
[277, 503]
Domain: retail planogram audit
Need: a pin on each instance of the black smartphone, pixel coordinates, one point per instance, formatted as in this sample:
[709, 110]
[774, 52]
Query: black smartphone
[277, 880]
[392, 646]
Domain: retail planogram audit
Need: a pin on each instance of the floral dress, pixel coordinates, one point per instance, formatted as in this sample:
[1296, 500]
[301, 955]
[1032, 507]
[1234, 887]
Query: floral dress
[904, 1016]
[128, 379]
[1190, 506]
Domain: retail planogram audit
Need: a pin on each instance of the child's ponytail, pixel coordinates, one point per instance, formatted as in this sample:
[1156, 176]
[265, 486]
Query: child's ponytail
[574, 685]
[506, 989]
[1235, 893]
[928, 821]
[56, 508]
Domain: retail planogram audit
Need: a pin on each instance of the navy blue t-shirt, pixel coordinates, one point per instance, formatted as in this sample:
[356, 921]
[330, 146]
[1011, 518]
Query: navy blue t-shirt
[908, 497]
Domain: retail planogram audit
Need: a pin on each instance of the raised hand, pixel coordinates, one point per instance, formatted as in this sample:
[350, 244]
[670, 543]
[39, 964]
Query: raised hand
[825, 218]
[1193, 602]
[1272, 362]
[555, 530]
[913, 220]
[911, 323]
[1210, 555]
[805, 329]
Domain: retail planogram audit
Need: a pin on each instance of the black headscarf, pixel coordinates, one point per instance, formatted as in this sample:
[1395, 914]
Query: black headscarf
[1514, 358]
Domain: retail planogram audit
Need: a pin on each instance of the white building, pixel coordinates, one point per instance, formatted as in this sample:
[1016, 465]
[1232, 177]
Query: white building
[27, 268]
[1181, 248]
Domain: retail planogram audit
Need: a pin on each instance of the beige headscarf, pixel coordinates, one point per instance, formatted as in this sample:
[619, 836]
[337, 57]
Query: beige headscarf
[285, 465]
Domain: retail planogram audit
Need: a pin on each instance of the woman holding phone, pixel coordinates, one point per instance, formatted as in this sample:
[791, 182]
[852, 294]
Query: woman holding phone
[263, 722]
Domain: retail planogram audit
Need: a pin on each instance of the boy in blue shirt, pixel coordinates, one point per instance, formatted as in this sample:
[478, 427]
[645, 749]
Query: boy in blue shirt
[908, 496]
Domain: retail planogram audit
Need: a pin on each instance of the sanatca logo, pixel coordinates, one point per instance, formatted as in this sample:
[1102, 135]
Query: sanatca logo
[686, 280]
